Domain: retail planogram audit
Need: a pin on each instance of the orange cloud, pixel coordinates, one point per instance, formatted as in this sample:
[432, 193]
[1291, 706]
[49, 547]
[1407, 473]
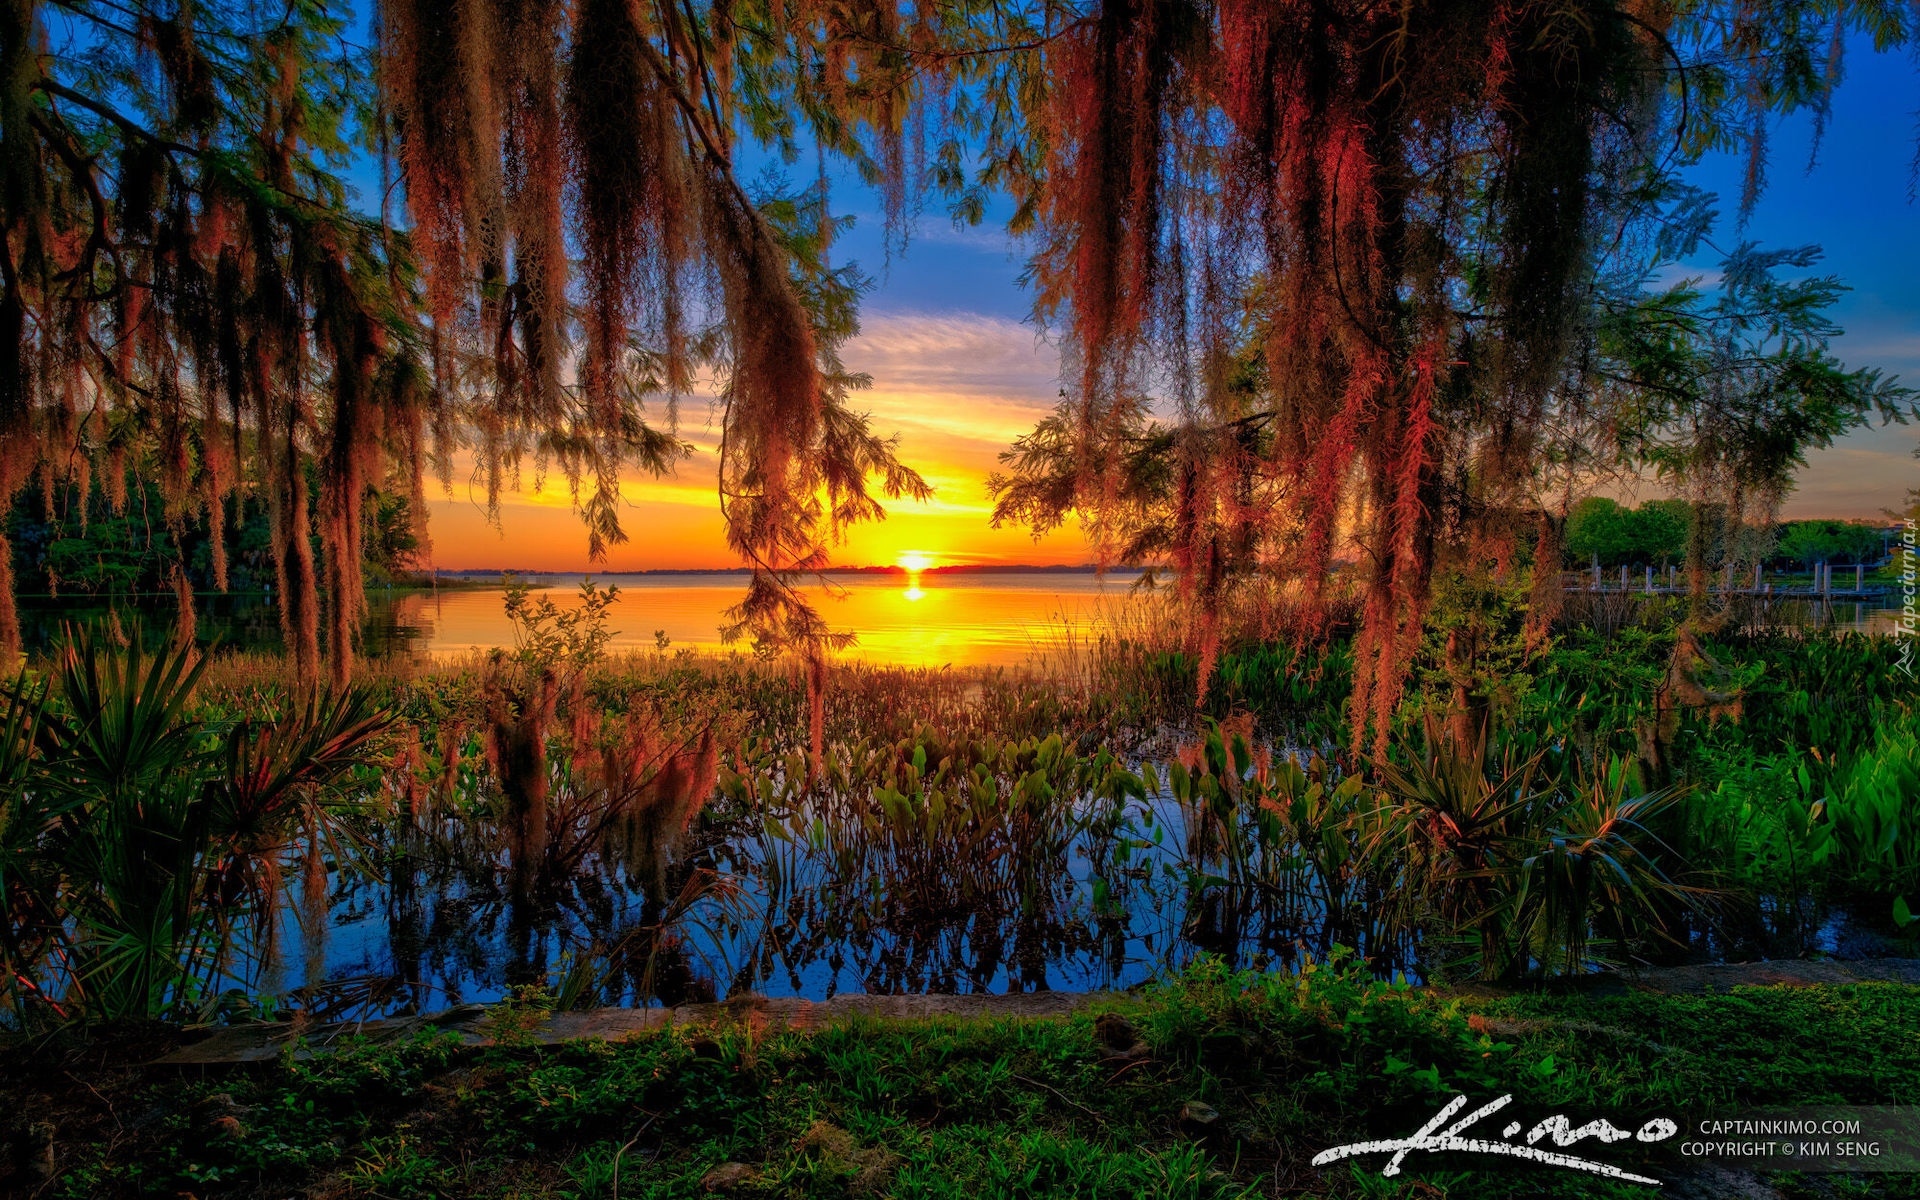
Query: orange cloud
[958, 388]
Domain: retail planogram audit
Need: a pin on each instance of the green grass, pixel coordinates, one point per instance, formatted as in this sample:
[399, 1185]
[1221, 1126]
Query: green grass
[973, 1109]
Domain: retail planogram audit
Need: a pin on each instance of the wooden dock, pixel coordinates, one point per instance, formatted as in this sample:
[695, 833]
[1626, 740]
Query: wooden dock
[1850, 586]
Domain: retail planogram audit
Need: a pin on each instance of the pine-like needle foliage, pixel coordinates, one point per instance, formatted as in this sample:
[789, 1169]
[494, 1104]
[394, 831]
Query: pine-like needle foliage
[1327, 270]
[523, 128]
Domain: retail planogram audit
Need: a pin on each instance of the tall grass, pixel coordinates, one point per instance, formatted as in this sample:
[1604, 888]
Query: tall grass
[1867, 830]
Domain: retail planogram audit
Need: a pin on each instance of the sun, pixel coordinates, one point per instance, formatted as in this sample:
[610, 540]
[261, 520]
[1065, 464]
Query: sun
[915, 561]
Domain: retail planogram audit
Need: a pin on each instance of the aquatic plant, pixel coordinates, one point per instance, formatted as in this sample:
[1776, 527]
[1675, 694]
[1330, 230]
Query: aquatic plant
[993, 828]
[1478, 858]
[147, 844]
[1866, 832]
[935, 860]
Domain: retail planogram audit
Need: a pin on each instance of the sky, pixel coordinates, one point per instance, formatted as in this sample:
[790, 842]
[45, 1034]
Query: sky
[1854, 203]
[959, 374]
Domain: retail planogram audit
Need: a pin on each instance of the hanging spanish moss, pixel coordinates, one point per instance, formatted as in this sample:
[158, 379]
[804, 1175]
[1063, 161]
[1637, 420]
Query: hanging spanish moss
[184, 623]
[190, 299]
[9, 613]
[1346, 245]
[620, 126]
[1367, 227]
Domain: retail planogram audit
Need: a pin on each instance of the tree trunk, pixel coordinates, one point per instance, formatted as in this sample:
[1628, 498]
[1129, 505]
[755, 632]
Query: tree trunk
[293, 563]
[9, 614]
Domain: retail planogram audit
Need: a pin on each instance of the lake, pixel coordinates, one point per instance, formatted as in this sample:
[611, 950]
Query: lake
[931, 619]
[798, 917]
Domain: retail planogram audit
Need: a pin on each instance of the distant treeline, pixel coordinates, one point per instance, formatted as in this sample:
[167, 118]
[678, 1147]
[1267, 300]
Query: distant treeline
[115, 545]
[1655, 534]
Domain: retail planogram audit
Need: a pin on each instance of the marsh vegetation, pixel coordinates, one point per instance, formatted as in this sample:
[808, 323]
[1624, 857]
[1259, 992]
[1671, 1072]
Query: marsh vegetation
[185, 837]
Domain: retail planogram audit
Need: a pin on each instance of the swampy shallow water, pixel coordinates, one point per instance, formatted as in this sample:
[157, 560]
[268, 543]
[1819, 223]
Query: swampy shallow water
[1107, 894]
[1104, 899]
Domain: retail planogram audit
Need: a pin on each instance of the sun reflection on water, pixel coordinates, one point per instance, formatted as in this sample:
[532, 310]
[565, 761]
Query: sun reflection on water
[915, 621]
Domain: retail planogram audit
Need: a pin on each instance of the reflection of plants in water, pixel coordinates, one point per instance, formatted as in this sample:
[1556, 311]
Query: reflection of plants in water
[940, 854]
[577, 803]
[1271, 848]
[931, 860]
[570, 781]
[1447, 845]
[574, 778]
[943, 861]
[658, 958]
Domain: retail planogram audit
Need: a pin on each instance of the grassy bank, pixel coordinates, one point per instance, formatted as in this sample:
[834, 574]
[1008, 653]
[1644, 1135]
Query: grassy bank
[1211, 1085]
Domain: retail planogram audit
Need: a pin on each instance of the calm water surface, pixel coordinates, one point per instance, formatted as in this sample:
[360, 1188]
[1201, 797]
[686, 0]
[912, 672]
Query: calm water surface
[927, 621]
[797, 921]
[1113, 904]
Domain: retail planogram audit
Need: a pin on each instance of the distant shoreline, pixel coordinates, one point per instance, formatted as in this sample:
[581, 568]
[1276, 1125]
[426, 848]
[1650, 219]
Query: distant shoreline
[482, 579]
[955, 569]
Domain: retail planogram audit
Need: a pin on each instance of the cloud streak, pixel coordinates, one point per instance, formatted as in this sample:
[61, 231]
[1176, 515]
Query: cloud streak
[957, 387]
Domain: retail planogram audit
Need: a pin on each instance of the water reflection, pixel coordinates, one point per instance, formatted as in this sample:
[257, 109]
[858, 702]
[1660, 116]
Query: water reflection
[923, 618]
[1045, 905]
[920, 619]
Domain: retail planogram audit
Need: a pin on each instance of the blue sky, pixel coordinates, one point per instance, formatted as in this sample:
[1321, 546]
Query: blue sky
[958, 373]
[1853, 203]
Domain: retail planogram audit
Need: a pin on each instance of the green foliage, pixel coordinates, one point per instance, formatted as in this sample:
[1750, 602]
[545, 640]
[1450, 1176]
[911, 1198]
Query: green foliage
[1611, 533]
[391, 543]
[1297, 691]
[1810, 542]
[932, 824]
[1446, 847]
[144, 837]
[548, 636]
[1753, 826]
[91, 546]
[1599, 693]
[1866, 833]
[1542, 874]
[1727, 391]
[1475, 662]
[944, 799]
[1004, 799]
[1291, 1062]
[100, 548]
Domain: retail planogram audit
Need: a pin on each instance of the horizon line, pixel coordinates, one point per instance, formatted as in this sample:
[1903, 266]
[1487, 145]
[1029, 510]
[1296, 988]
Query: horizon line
[838, 569]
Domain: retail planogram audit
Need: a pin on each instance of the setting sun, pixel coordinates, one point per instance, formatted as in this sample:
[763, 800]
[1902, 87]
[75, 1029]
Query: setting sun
[915, 560]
